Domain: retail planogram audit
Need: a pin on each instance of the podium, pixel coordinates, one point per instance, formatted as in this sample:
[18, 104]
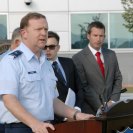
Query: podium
[115, 118]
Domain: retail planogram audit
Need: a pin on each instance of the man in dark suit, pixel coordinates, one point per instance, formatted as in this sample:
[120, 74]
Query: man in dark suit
[98, 70]
[68, 83]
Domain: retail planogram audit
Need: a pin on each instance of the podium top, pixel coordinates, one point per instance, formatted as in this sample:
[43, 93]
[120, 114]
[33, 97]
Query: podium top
[118, 109]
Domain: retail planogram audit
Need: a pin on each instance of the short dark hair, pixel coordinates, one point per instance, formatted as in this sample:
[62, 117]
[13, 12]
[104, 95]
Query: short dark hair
[96, 24]
[52, 34]
[32, 15]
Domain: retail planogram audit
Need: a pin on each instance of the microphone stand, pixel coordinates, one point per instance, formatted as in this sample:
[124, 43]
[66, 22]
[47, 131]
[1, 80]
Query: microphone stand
[121, 91]
[104, 106]
[102, 102]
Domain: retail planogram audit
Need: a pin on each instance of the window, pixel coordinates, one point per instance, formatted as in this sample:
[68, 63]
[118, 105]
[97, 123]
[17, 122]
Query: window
[120, 37]
[117, 36]
[3, 26]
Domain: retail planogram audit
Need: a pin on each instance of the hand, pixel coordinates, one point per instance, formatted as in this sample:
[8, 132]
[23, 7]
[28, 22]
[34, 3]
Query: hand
[110, 103]
[83, 116]
[41, 127]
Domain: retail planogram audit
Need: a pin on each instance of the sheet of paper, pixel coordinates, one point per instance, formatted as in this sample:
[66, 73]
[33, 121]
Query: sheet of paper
[71, 98]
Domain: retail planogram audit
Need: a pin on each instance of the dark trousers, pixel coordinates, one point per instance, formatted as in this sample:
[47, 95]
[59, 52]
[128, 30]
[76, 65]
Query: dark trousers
[58, 119]
[17, 128]
[2, 128]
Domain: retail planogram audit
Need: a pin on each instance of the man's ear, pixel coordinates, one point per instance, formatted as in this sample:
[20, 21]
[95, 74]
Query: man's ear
[17, 42]
[58, 47]
[23, 33]
[88, 36]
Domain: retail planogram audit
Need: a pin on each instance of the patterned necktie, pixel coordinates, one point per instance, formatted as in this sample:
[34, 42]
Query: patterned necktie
[100, 63]
[58, 72]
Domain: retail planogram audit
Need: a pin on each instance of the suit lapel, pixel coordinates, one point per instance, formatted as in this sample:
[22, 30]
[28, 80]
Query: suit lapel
[106, 61]
[91, 59]
[65, 68]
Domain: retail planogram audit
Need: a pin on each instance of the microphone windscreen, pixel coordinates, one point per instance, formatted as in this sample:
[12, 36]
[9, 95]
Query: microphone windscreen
[123, 90]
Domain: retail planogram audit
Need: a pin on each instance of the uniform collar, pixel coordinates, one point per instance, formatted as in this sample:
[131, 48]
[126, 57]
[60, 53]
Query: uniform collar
[28, 53]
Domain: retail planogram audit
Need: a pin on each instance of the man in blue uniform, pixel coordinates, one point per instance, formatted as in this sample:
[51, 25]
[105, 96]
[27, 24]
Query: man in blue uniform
[15, 41]
[28, 84]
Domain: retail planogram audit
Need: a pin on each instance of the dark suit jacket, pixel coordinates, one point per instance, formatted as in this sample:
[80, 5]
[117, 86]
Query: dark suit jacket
[73, 81]
[93, 83]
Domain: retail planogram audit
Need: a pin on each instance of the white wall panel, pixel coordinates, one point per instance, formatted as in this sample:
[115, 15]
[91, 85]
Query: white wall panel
[38, 5]
[14, 20]
[63, 41]
[10, 35]
[3, 5]
[94, 5]
[58, 21]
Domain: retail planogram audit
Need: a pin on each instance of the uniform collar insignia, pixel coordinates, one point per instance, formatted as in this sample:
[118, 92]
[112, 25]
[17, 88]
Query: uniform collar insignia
[16, 53]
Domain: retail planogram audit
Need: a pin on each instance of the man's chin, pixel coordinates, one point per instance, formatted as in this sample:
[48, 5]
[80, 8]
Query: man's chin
[42, 45]
[49, 58]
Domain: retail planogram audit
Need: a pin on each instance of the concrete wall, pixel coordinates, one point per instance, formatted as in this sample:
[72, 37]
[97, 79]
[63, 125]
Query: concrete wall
[58, 15]
[126, 66]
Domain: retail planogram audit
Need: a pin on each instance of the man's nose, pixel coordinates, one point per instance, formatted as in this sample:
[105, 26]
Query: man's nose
[44, 32]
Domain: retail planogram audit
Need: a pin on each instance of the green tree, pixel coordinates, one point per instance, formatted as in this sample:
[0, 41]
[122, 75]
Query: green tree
[128, 14]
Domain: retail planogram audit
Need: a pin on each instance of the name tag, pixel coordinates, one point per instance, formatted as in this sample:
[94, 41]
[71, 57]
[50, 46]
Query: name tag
[32, 72]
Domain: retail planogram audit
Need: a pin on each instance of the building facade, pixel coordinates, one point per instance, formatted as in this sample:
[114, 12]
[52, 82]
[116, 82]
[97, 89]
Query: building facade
[69, 18]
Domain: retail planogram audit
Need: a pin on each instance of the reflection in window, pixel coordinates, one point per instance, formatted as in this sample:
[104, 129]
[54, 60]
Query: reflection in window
[3, 27]
[79, 24]
[120, 37]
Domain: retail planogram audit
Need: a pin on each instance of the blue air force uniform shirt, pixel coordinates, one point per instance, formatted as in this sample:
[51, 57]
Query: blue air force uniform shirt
[31, 80]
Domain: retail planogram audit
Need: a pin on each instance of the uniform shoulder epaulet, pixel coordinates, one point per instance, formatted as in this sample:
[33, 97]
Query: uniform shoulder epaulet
[16, 53]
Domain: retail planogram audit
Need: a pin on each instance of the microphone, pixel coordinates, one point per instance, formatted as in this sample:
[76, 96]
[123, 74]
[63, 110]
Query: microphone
[104, 106]
[102, 102]
[119, 92]
[123, 90]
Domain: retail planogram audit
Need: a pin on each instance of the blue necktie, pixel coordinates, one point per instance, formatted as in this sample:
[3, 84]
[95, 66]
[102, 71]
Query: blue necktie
[58, 72]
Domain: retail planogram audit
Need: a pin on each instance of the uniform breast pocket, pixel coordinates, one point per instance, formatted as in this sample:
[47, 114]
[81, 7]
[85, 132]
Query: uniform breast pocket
[52, 81]
[31, 86]
[52, 85]
[33, 77]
